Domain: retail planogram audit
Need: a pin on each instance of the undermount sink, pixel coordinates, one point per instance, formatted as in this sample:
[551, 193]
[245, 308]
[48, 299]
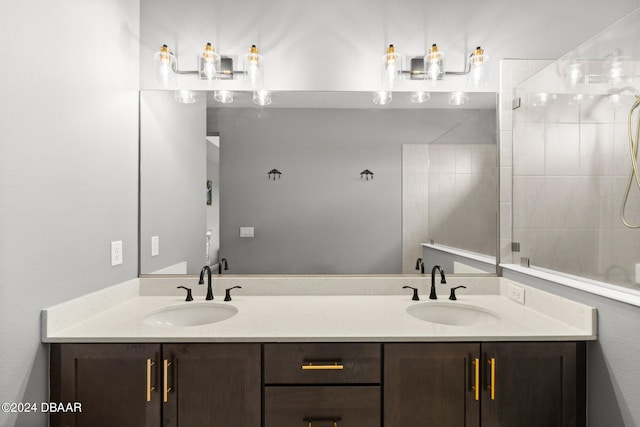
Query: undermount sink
[452, 314]
[192, 314]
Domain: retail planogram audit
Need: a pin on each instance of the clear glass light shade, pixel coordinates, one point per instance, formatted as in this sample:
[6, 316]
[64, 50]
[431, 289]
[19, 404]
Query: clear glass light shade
[391, 69]
[223, 96]
[477, 66]
[458, 98]
[262, 97]
[165, 64]
[253, 68]
[185, 96]
[382, 97]
[434, 63]
[420, 97]
[208, 63]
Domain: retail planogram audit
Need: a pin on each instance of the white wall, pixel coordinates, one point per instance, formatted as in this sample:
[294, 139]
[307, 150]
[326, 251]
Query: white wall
[68, 170]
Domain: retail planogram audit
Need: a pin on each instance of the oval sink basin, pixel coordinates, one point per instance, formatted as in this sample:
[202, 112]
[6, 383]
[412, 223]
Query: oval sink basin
[452, 314]
[191, 315]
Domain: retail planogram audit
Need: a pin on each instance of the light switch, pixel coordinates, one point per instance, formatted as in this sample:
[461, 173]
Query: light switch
[116, 253]
[246, 231]
[155, 245]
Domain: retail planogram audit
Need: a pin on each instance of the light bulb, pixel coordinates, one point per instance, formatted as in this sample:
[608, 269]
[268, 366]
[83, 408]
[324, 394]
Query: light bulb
[391, 69]
[223, 96]
[382, 97]
[458, 98]
[420, 97]
[185, 96]
[262, 97]
[165, 64]
[253, 68]
[477, 62]
[434, 63]
[209, 63]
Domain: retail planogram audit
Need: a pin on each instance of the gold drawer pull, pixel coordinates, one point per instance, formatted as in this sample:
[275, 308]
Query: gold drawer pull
[166, 388]
[310, 421]
[323, 366]
[150, 388]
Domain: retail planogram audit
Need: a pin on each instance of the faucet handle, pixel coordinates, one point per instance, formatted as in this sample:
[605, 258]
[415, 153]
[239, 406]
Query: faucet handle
[227, 292]
[452, 297]
[415, 293]
[189, 296]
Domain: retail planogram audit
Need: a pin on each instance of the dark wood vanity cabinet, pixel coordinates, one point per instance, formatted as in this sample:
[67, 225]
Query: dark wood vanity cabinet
[534, 384]
[157, 385]
[322, 385]
[212, 385]
[116, 384]
[512, 384]
[521, 384]
[429, 384]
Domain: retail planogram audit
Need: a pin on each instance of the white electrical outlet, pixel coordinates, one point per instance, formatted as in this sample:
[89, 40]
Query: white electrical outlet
[155, 245]
[246, 231]
[516, 293]
[116, 253]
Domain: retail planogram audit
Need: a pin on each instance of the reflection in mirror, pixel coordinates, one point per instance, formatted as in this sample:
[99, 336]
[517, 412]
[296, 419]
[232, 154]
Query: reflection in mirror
[433, 176]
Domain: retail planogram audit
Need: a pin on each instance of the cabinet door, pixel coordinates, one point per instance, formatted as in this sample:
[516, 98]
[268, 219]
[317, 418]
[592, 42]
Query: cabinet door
[115, 384]
[534, 384]
[429, 384]
[212, 385]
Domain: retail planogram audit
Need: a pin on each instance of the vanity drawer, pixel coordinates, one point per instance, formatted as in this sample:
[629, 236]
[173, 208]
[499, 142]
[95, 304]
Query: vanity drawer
[325, 363]
[321, 406]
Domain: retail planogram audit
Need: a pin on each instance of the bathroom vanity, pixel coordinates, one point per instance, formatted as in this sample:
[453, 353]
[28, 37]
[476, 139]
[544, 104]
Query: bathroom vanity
[322, 360]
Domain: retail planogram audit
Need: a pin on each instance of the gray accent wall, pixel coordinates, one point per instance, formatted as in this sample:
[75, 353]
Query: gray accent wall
[68, 171]
[173, 170]
[320, 216]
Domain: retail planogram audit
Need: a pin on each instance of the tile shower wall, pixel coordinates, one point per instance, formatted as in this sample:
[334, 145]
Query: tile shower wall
[570, 169]
[453, 187]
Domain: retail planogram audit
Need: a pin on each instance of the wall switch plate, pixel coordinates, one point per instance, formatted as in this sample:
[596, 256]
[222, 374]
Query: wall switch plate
[155, 245]
[516, 293]
[246, 231]
[116, 253]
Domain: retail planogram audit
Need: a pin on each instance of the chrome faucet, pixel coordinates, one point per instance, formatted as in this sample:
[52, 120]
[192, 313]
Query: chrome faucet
[201, 281]
[226, 265]
[420, 265]
[433, 295]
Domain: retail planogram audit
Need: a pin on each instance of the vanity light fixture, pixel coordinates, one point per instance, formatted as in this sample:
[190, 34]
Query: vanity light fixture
[366, 175]
[274, 174]
[212, 66]
[431, 66]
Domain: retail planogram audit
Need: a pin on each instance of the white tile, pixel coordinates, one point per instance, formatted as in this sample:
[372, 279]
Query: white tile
[562, 149]
[463, 160]
[563, 110]
[528, 149]
[597, 150]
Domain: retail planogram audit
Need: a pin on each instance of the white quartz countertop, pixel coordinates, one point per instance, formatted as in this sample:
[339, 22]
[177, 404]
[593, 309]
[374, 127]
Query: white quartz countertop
[280, 318]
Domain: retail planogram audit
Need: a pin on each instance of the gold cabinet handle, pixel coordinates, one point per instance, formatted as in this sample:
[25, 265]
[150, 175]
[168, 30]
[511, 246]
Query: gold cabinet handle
[492, 385]
[323, 366]
[165, 379]
[150, 388]
[476, 383]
